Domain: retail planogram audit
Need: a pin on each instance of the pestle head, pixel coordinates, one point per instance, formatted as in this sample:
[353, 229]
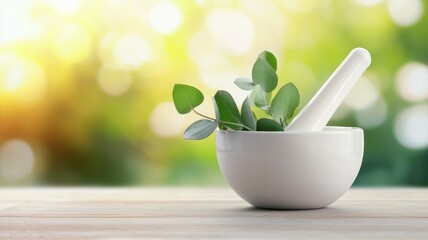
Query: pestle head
[316, 114]
[363, 53]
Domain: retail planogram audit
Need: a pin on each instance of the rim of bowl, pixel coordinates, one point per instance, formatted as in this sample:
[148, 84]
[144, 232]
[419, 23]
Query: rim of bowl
[328, 129]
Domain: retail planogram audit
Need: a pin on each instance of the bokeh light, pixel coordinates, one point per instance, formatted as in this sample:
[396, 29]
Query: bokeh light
[114, 82]
[269, 31]
[16, 22]
[131, 51]
[165, 122]
[16, 160]
[411, 127]
[405, 13]
[412, 82]
[66, 7]
[21, 81]
[363, 95]
[202, 50]
[166, 17]
[232, 30]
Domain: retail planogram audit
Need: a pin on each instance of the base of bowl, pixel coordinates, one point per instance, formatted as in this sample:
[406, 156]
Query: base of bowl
[277, 204]
[288, 208]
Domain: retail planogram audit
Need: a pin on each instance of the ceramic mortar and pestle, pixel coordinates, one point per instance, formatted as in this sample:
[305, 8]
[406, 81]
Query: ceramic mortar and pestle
[307, 166]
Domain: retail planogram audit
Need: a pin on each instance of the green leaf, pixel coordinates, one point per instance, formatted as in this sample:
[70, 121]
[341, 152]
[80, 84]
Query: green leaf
[285, 102]
[227, 111]
[247, 115]
[260, 98]
[270, 58]
[265, 124]
[200, 129]
[244, 83]
[186, 98]
[265, 75]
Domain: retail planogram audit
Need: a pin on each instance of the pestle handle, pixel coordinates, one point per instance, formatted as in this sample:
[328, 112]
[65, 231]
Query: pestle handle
[316, 114]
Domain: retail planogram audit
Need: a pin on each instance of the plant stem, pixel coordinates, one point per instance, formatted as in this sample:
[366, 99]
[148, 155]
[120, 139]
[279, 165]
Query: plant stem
[231, 123]
[202, 115]
[237, 124]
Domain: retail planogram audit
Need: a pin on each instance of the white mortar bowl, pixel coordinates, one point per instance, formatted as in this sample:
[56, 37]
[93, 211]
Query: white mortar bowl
[290, 170]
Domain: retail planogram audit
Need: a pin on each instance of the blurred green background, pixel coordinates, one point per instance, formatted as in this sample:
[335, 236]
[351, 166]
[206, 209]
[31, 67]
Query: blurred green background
[85, 86]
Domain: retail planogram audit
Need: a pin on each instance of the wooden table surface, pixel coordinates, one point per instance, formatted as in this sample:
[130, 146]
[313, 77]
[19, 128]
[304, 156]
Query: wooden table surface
[200, 213]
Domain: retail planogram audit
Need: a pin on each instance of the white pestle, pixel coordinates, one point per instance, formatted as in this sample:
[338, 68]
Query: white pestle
[316, 114]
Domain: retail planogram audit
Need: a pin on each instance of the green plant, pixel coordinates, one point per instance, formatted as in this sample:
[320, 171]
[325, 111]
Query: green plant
[264, 81]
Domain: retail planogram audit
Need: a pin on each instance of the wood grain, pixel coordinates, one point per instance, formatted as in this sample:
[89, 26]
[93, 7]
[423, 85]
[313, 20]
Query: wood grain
[208, 213]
